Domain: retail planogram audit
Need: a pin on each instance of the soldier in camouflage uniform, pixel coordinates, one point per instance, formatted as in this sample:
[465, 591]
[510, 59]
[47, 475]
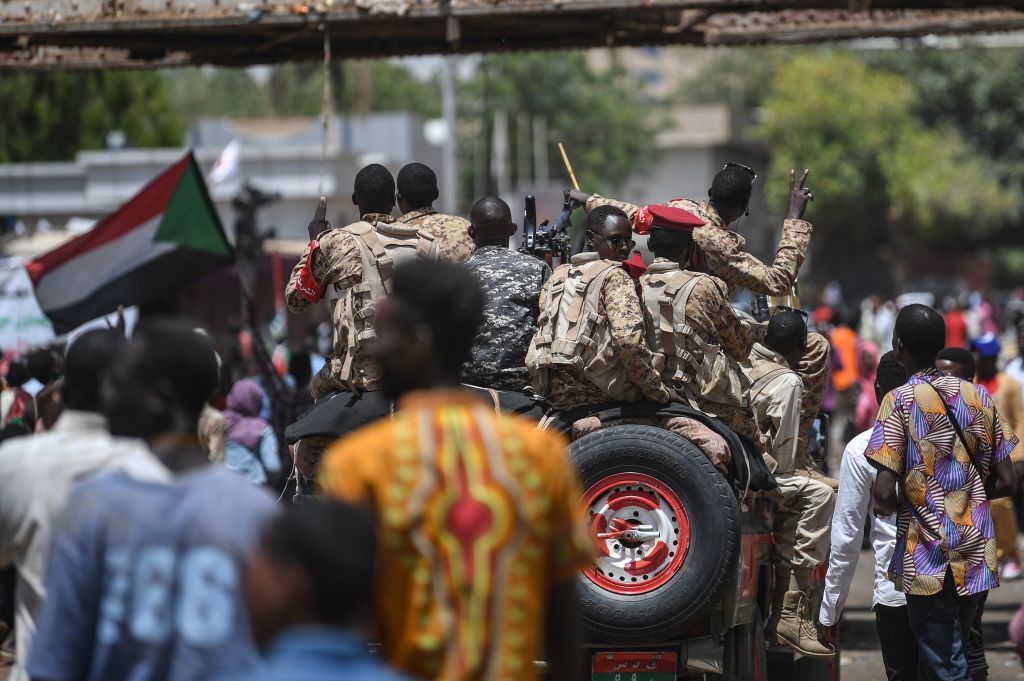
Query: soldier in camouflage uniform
[334, 258]
[417, 191]
[722, 255]
[609, 238]
[804, 506]
[511, 283]
[714, 385]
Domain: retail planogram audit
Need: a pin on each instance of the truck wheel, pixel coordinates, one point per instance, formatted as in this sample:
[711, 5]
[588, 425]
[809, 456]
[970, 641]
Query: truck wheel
[746, 652]
[667, 528]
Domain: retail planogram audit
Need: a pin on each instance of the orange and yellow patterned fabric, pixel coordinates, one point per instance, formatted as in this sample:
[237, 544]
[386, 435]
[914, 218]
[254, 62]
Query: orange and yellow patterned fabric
[944, 520]
[479, 516]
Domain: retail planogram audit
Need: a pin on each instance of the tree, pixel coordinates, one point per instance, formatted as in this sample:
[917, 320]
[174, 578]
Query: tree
[297, 89]
[216, 92]
[596, 114]
[881, 174]
[51, 116]
[740, 77]
[977, 91]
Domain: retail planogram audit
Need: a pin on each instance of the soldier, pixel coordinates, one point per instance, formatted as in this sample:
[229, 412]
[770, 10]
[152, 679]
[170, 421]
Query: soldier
[590, 346]
[512, 283]
[721, 254]
[698, 339]
[803, 505]
[352, 266]
[417, 191]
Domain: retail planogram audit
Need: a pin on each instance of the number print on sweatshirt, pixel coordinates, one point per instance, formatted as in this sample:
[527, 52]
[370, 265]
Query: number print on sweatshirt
[160, 594]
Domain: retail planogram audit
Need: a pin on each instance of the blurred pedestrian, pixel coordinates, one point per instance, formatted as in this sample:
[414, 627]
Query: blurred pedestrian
[309, 594]
[45, 365]
[36, 474]
[250, 446]
[956, 324]
[1007, 393]
[853, 508]
[16, 404]
[945, 542]
[145, 578]
[438, 476]
[1015, 367]
[867, 401]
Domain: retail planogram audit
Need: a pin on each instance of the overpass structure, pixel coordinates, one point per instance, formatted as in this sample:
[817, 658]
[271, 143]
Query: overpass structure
[81, 34]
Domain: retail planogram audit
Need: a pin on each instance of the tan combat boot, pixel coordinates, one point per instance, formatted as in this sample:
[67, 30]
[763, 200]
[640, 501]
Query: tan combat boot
[797, 630]
[798, 626]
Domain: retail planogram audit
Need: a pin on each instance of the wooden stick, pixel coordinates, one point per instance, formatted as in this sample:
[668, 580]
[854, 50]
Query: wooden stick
[568, 166]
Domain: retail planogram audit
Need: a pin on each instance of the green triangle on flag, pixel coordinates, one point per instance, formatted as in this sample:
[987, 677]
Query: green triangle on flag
[165, 236]
[190, 219]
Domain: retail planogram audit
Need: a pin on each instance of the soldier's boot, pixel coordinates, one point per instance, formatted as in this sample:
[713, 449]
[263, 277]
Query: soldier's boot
[807, 467]
[779, 590]
[797, 628]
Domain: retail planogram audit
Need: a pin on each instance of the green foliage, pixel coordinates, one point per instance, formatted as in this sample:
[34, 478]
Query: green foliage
[50, 116]
[596, 115]
[215, 92]
[296, 89]
[739, 77]
[875, 163]
[976, 91]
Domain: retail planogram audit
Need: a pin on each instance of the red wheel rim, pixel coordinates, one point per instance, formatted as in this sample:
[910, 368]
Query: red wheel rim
[641, 529]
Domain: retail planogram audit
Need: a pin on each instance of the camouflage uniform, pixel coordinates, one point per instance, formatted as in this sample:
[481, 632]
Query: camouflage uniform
[620, 308]
[726, 259]
[709, 313]
[714, 446]
[512, 283]
[450, 232]
[339, 263]
[803, 505]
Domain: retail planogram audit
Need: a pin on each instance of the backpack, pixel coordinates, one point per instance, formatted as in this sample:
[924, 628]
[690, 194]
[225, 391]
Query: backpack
[382, 248]
[572, 332]
[707, 375]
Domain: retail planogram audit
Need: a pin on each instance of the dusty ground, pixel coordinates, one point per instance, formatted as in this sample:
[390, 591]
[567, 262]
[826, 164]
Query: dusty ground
[862, 661]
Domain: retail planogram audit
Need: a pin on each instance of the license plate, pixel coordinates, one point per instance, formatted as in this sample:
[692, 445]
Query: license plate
[633, 666]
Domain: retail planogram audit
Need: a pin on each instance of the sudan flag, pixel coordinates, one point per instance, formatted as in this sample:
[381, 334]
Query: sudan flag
[165, 236]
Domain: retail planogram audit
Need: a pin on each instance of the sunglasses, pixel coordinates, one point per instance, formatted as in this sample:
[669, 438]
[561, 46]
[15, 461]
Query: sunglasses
[750, 171]
[615, 241]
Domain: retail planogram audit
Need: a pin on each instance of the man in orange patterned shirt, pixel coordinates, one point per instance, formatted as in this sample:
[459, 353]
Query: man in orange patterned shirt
[481, 529]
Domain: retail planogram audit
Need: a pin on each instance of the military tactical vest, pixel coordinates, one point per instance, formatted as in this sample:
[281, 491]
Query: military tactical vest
[572, 332]
[761, 372]
[382, 248]
[698, 368]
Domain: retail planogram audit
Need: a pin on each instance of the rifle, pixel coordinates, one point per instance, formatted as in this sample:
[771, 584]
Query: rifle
[546, 241]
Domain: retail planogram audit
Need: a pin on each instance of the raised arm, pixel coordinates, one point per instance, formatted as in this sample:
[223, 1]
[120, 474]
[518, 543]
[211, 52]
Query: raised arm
[727, 260]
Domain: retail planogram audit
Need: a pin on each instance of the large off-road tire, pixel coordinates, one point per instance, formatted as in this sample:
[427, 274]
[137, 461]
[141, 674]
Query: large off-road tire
[655, 585]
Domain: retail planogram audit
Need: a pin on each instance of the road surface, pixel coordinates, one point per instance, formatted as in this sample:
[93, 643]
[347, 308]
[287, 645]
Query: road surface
[861, 659]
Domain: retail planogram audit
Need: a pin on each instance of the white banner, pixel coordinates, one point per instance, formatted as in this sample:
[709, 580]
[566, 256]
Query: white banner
[22, 322]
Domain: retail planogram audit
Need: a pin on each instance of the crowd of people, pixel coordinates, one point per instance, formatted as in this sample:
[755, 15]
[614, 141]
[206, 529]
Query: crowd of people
[447, 525]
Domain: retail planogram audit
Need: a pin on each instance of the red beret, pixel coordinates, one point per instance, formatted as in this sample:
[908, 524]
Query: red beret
[635, 265]
[675, 219]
